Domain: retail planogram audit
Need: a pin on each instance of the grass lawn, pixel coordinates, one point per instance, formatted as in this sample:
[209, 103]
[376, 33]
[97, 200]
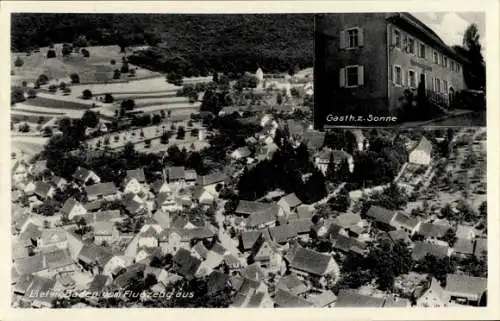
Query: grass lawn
[97, 67]
[54, 103]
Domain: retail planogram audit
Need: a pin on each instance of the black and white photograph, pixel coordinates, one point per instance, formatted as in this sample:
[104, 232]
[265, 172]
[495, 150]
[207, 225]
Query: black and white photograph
[179, 161]
[392, 69]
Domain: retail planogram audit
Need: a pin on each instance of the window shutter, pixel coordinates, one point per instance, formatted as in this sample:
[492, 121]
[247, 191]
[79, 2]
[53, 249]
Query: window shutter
[393, 74]
[402, 77]
[342, 39]
[361, 76]
[360, 37]
[342, 77]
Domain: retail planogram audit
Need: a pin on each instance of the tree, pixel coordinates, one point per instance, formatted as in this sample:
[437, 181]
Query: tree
[108, 98]
[52, 88]
[389, 261]
[86, 94]
[62, 85]
[85, 53]
[75, 78]
[31, 93]
[483, 209]
[156, 119]
[51, 54]
[125, 68]
[174, 78]
[112, 62]
[128, 104]
[164, 138]
[80, 42]
[246, 81]
[89, 119]
[181, 132]
[43, 79]
[47, 208]
[18, 62]
[66, 50]
[195, 132]
[116, 74]
[17, 95]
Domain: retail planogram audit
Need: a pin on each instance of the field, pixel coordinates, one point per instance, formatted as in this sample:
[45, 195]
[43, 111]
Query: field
[97, 67]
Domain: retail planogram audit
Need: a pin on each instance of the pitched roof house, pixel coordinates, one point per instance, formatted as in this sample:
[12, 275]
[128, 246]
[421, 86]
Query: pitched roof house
[380, 215]
[465, 289]
[73, 208]
[43, 190]
[101, 190]
[305, 261]
[83, 175]
[421, 154]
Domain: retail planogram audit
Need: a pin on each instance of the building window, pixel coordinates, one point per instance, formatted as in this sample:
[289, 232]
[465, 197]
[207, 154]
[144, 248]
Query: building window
[397, 39]
[421, 53]
[353, 38]
[410, 45]
[438, 85]
[445, 62]
[397, 76]
[435, 57]
[352, 76]
[412, 79]
[458, 68]
[445, 86]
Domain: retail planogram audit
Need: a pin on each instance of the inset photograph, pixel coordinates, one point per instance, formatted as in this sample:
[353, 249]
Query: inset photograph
[399, 69]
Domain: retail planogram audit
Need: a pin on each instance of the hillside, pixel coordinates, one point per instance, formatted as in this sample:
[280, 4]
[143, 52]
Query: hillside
[186, 44]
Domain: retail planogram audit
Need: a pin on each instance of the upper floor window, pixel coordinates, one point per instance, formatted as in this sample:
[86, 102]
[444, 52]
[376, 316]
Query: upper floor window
[436, 59]
[396, 40]
[421, 52]
[410, 45]
[445, 62]
[458, 67]
[351, 38]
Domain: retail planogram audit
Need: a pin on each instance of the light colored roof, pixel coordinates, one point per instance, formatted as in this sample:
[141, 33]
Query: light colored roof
[466, 285]
[291, 200]
[138, 174]
[423, 145]
[464, 246]
[250, 207]
[432, 230]
[352, 299]
[346, 220]
[323, 299]
[380, 214]
[292, 284]
[285, 299]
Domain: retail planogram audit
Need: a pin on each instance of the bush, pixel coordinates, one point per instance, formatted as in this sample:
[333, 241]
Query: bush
[85, 53]
[124, 68]
[75, 79]
[24, 128]
[147, 143]
[63, 85]
[52, 88]
[42, 80]
[128, 104]
[18, 62]
[86, 94]
[116, 74]
[67, 91]
[156, 119]
[51, 54]
[17, 95]
[112, 62]
[195, 132]
[174, 78]
[108, 98]
[24, 84]
[31, 93]
[132, 73]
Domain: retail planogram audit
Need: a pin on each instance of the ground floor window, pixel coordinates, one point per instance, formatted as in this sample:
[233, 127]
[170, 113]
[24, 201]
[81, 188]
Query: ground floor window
[352, 76]
[412, 79]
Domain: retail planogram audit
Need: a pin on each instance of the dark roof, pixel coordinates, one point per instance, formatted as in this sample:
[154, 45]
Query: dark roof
[292, 284]
[350, 298]
[432, 230]
[98, 283]
[266, 216]
[185, 264]
[347, 244]
[132, 206]
[81, 173]
[285, 299]
[101, 189]
[347, 219]
[31, 264]
[175, 173]
[480, 247]
[201, 249]
[314, 139]
[138, 174]
[250, 207]
[248, 238]
[284, 232]
[212, 178]
[464, 246]
[253, 272]
[405, 220]
[399, 235]
[421, 249]
[91, 254]
[42, 189]
[95, 205]
[310, 261]
[217, 282]
[380, 214]
[68, 205]
[190, 175]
